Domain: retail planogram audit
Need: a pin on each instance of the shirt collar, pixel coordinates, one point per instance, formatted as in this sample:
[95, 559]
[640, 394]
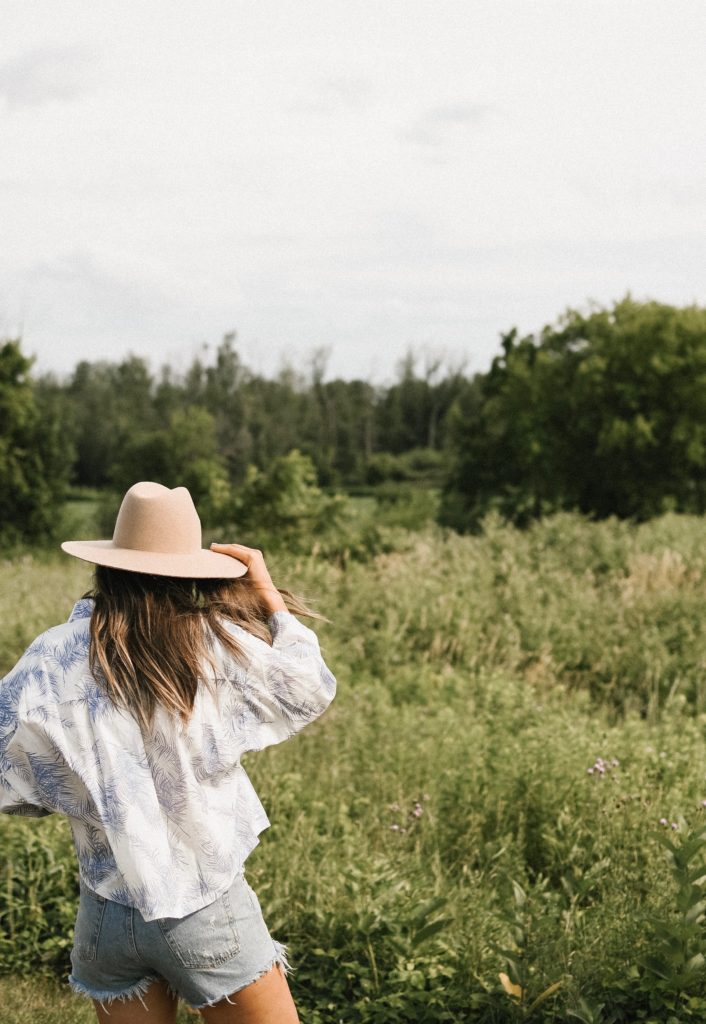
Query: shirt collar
[82, 609]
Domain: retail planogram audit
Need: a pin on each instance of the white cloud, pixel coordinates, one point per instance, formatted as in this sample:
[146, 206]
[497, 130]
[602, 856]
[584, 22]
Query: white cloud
[440, 123]
[47, 73]
[338, 94]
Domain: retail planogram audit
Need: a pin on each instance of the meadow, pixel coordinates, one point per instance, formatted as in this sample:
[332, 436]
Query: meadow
[499, 817]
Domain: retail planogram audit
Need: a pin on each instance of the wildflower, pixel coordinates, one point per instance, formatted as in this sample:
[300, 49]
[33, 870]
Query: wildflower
[703, 803]
[601, 766]
[663, 821]
[395, 828]
[674, 825]
[418, 810]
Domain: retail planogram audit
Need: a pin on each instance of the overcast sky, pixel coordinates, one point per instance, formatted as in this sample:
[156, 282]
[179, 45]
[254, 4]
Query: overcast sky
[363, 176]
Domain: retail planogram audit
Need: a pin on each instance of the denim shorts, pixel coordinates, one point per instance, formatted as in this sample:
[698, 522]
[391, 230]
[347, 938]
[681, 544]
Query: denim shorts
[204, 957]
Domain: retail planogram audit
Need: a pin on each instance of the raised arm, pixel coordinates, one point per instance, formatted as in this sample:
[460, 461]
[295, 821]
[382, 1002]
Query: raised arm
[285, 686]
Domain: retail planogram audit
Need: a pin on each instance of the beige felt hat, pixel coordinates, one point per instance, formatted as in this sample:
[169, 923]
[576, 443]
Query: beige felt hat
[157, 531]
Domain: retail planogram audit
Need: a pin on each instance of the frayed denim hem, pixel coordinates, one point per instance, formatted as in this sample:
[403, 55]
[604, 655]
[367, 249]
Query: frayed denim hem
[280, 958]
[139, 989]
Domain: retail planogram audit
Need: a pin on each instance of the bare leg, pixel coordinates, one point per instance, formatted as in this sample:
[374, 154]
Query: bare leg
[161, 1007]
[267, 1000]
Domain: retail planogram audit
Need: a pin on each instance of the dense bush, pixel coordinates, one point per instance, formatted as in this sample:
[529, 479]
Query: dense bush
[35, 453]
[604, 413]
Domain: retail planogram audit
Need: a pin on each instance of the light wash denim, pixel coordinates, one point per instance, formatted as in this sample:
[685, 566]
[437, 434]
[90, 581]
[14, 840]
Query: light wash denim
[204, 957]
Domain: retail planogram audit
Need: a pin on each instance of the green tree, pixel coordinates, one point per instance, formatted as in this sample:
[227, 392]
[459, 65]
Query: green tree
[111, 402]
[604, 412]
[184, 453]
[284, 504]
[35, 451]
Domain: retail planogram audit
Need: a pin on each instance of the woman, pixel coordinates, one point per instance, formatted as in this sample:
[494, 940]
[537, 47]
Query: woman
[131, 719]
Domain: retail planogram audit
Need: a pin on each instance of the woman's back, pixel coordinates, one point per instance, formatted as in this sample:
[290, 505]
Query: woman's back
[131, 718]
[162, 818]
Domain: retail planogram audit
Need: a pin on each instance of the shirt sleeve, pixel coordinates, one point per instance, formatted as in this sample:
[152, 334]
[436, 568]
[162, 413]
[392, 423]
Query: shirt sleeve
[284, 687]
[18, 791]
[11, 802]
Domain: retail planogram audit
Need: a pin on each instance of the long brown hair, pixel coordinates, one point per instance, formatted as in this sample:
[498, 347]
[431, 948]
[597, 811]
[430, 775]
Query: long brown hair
[152, 637]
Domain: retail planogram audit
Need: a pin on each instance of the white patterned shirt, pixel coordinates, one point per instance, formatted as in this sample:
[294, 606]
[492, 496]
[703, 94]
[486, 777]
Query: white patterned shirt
[161, 821]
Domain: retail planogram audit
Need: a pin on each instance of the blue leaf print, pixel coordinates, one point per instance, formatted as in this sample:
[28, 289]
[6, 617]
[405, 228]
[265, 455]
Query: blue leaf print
[57, 785]
[219, 860]
[167, 775]
[178, 856]
[301, 650]
[27, 811]
[209, 762]
[284, 693]
[94, 854]
[327, 678]
[43, 713]
[95, 699]
[17, 765]
[13, 686]
[133, 769]
[41, 646]
[135, 895]
[111, 806]
[83, 609]
[71, 651]
[170, 792]
[203, 885]
[46, 683]
[254, 713]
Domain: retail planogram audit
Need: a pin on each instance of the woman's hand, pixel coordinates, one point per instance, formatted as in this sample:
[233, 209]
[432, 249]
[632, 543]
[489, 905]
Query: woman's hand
[257, 573]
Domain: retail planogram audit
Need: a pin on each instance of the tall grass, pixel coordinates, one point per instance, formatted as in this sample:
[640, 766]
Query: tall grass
[472, 831]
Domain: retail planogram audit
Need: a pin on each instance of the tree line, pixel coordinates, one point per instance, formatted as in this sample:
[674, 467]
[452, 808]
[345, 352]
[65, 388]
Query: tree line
[603, 412]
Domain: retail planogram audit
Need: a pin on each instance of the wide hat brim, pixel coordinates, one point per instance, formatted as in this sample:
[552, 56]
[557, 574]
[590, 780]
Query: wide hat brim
[202, 564]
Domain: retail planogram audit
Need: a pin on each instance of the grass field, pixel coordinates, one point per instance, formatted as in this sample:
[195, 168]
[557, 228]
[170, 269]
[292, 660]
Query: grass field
[519, 723]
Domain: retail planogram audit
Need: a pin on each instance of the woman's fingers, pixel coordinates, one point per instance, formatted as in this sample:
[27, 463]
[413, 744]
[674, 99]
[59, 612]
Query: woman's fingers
[257, 572]
[237, 550]
[252, 557]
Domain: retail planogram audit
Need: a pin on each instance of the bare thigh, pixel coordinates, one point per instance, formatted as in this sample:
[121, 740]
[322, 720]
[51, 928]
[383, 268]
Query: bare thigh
[161, 1007]
[267, 1000]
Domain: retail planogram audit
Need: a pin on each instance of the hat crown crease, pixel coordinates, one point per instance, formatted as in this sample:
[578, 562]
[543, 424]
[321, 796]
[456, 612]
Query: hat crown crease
[165, 522]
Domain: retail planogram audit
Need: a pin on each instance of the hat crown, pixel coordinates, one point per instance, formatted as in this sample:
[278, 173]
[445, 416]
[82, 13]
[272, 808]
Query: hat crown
[159, 519]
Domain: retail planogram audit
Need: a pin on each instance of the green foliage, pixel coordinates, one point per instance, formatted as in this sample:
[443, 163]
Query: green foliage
[110, 403]
[283, 508]
[184, 453]
[519, 983]
[39, 894]
[666, 981]
[283, 504]
[449, 820]
[117, 413]
[604, 413]
[417, 464]
[35, 454]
